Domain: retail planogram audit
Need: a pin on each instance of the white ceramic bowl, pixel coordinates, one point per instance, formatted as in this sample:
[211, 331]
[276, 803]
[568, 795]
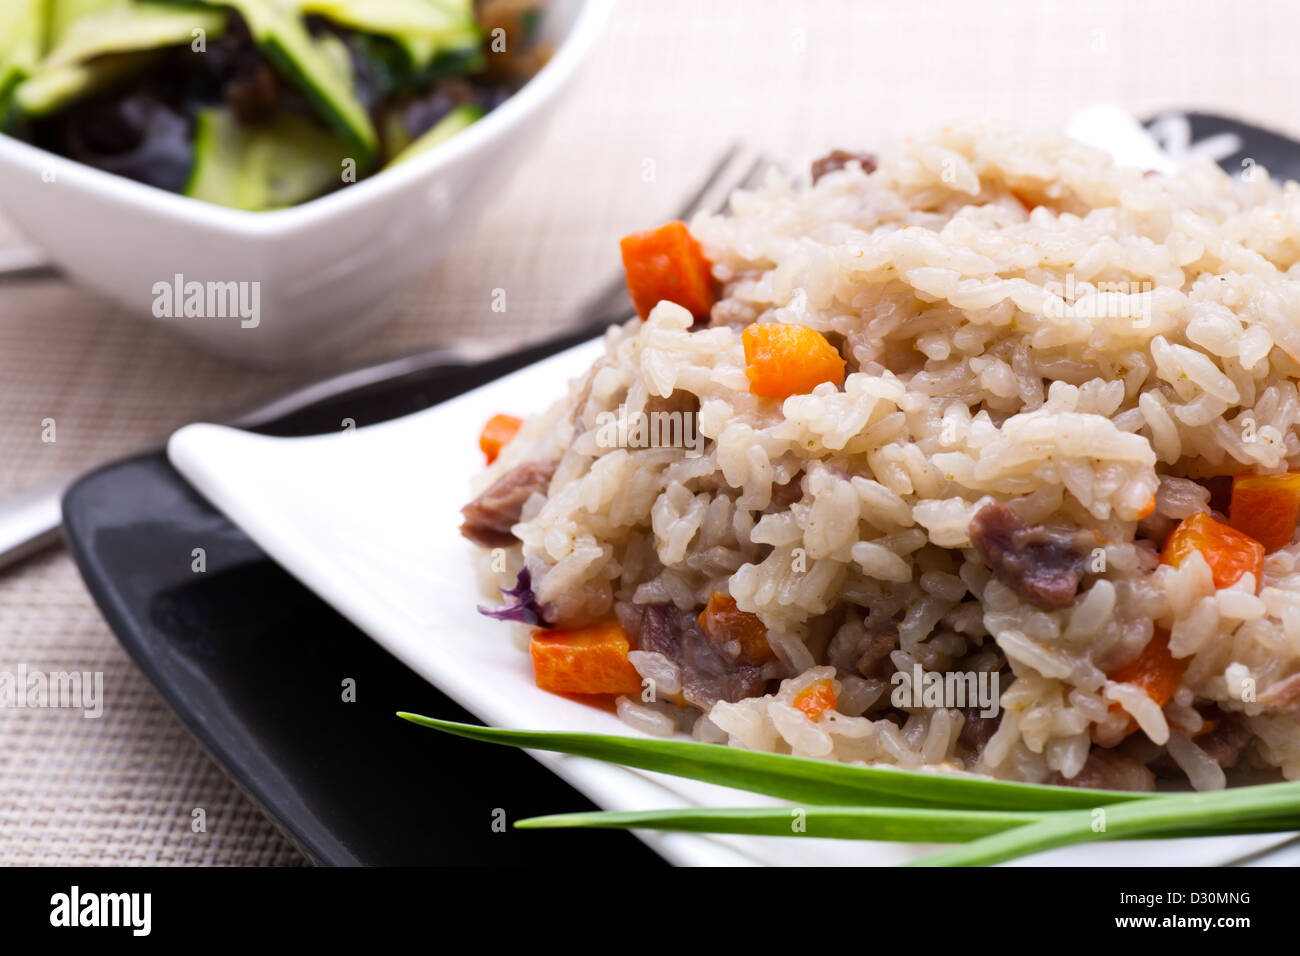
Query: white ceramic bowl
[327, 270]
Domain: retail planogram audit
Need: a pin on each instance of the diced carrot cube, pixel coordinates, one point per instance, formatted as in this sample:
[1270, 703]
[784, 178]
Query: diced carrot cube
[1266, 507]
[783, 360]
[668, 264]
[1228, 552]
[1155, 670]
[723, 622]
[815, 699]
[497, 433]
[587, 660]
[1148, 509]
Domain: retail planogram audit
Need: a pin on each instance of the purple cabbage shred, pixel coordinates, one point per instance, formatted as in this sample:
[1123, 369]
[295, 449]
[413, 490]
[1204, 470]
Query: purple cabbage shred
[521, 604]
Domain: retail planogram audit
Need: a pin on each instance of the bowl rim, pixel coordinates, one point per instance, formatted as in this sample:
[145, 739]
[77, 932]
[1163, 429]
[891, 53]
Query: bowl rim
[540, 90]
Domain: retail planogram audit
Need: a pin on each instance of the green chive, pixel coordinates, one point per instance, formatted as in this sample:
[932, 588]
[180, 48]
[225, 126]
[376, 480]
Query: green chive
[800, 780]
[1264, 808]
[1000, 820]
[899, 824]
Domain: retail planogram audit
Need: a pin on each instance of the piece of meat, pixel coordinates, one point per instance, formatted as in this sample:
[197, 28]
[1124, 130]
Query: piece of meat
[838, 159]
[1283, 694]
[1220, 488]
[783, 496]
[490, 516]
[584, 395]
[978, 729]
[1108, 770]
[709, 673]
[1042, 564]
[874, 660]
[1226, 740]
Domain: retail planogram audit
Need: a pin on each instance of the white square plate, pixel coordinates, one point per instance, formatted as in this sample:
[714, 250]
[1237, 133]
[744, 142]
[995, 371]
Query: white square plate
[369, 519]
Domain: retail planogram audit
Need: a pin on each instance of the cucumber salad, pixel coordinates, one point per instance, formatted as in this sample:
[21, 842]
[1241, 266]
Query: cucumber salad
[256, 104]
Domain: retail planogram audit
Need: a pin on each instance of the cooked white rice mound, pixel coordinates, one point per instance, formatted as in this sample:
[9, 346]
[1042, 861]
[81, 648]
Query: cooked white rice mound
[1024, 324]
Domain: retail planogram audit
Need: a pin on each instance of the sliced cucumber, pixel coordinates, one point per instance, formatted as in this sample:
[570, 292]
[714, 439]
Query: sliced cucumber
[64, 13]
[424, 50]
[391, 17]
[263, 167]
[424, 28]
[22, 43]
[312, 65]
[103, 43]
[129, 27]
[441, 131]
[50, 89]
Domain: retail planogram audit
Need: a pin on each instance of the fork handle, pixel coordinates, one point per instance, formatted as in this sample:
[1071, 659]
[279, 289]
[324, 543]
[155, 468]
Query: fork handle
[31, 522]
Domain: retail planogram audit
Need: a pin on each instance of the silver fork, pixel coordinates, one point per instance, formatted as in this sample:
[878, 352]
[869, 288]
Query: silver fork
[31, 521]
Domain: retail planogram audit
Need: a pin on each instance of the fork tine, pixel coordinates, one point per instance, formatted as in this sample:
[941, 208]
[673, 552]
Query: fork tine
[717, 175]
[745, 169]
[757, 172]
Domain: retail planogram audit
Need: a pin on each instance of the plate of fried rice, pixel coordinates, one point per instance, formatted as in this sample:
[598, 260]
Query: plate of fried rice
[976, 455]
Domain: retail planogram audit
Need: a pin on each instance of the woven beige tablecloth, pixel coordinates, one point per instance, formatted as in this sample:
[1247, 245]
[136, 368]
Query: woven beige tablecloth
[670, 85]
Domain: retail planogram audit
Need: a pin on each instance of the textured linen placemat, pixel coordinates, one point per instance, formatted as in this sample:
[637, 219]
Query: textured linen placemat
[670, 85]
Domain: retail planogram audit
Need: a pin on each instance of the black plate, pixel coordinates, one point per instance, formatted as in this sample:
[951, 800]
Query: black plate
[253, 662]
[1279, 154]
